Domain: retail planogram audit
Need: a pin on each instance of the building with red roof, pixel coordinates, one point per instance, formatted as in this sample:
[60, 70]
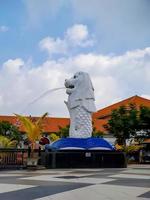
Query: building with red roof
[50, 124]
[100, 118]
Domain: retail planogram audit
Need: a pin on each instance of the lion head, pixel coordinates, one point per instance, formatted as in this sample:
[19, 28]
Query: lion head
[80, 91]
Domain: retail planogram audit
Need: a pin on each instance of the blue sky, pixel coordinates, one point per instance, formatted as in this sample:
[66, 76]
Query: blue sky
[45, 41]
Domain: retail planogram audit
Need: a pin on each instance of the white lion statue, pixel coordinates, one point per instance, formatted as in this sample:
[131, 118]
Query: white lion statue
[80, 105]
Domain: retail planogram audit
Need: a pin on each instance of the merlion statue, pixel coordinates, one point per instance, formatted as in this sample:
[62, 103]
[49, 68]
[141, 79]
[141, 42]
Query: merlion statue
[80, 104]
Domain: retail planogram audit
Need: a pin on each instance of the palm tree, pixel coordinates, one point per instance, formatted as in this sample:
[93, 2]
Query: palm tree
[6, 142]
[32, 129]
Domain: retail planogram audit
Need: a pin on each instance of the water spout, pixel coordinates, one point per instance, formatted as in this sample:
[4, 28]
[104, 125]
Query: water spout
[42, 96]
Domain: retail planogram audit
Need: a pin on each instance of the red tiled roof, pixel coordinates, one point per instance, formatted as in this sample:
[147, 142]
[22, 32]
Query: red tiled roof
[98, 124]
[50, 124]
[105, 112]
[100, 118]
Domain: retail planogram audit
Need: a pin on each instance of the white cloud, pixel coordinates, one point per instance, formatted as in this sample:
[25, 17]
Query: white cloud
[75, 37]
[78, 35]
[23, 84]
[53, 46]
[114, 77]
[4, 28]
[13, 66]
[145, 96]
[118, 25]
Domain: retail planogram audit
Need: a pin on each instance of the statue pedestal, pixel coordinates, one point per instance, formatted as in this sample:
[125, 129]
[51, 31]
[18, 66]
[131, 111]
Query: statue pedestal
[84, 159]
[83, 153]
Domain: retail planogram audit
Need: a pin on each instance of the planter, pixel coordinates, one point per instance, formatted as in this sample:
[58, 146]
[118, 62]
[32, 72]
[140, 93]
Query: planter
[32, 163]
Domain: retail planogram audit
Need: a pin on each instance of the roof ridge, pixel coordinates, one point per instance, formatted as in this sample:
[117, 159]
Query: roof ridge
[119, 102]
[132, 98]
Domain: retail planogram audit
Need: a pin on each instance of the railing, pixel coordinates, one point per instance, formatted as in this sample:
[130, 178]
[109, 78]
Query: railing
[13, 158]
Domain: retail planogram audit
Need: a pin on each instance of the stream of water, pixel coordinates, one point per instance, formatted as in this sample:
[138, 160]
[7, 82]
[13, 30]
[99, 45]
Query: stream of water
[41, 96]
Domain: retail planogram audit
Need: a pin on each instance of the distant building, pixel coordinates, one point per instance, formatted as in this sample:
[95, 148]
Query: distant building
[100, 118]
[50, 124]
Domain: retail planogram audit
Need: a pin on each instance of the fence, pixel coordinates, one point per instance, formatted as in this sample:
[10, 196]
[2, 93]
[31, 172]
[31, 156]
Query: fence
[13, 158]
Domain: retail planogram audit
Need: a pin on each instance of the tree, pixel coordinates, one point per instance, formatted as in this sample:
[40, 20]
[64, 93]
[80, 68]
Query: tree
[97, 134]
[53, 137]
[10, 131]
[63, 132]
[133, 119]
[33, 129]
[144, 125]
[124, 123]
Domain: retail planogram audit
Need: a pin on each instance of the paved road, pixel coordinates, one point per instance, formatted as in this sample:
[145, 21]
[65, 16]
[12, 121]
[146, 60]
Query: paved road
[132, 183]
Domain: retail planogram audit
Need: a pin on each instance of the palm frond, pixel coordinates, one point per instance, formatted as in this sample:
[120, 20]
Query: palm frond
[33, 129]
[6, 142]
